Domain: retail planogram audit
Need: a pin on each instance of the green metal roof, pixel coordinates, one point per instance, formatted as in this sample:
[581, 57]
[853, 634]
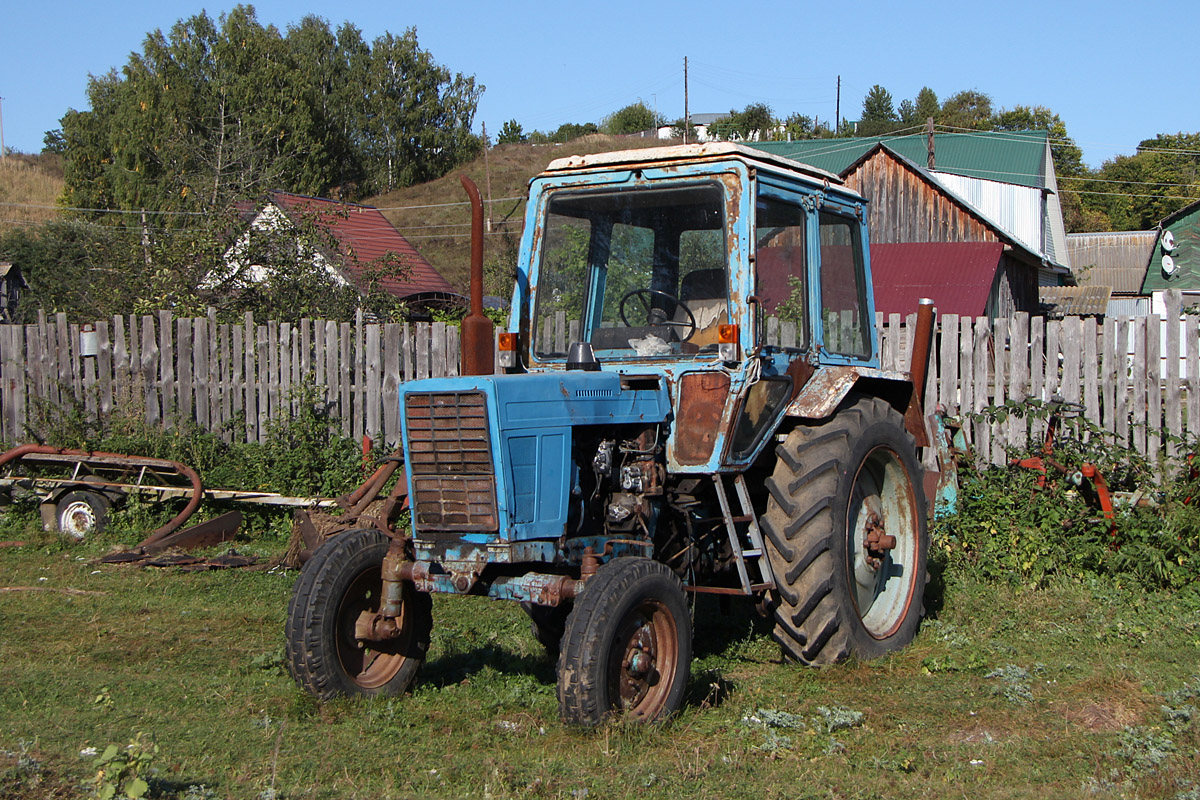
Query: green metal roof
[1017, 157]
[1184, 225]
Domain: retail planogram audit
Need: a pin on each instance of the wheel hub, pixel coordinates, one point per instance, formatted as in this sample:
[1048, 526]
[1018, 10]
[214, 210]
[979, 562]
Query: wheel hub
[877, 541]
[638, 668]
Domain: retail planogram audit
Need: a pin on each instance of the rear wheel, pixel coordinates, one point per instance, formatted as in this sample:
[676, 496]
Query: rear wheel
[846, 536]
[627, 648]
[338, 584]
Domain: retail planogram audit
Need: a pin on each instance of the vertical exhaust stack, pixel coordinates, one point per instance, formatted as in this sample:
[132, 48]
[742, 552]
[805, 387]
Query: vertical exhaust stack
[478, 331]
[922, 339]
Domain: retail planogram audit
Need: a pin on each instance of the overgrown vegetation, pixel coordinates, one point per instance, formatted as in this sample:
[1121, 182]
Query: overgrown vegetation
[1064, 677]
[1008, 527]
[303, 454]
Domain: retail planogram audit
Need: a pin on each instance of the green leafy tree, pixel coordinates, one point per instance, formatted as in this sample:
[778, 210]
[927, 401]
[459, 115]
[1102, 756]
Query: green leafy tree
[418, 124]
[970, 109]
[214, 112]
[511, 133]
[926, 106]
[878, 114]
[756, 122]
[1142, 189]
[683, 126]
[633, 118]
[1068, 158]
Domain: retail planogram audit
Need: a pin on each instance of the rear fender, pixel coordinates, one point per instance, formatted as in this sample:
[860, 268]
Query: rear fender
[821, 395]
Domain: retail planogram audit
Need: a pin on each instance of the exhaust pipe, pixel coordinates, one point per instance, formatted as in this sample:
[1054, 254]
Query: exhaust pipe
[478, 331]
[923, 338]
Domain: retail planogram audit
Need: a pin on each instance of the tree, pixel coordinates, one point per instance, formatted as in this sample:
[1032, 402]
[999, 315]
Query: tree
[1142, 189]
[878, 115]
[970, 109]
[511, 133]
[633, 118]
[214, 112]
[926, 106]
[756, 122]
[1068, 158]
[418, 124]
[684, 126]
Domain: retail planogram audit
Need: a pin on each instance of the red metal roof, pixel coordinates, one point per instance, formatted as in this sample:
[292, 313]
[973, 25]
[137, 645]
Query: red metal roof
[957, 276]
[364, 235]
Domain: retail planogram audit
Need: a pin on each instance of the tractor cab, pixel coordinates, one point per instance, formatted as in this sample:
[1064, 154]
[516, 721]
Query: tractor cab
[728, 274]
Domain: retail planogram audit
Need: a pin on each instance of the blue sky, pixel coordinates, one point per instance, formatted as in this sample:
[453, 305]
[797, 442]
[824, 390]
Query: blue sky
[1116, 74]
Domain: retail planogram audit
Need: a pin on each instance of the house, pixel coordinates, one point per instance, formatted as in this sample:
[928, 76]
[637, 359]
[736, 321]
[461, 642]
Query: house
[12, 283]
[997, 187]
[1113, 262]
[1175, 259]
[699, 121]
[360, 246]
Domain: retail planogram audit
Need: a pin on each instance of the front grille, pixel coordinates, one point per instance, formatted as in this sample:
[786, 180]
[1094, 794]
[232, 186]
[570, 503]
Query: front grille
[450, 457]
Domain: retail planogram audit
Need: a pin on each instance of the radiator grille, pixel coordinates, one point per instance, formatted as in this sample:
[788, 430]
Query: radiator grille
[450, 458]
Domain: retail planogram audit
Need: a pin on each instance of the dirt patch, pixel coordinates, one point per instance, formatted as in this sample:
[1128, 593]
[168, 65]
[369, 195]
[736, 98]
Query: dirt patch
[1102, 716]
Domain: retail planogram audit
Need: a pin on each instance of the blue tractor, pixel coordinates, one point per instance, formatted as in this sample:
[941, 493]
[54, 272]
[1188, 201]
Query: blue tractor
[688, 400]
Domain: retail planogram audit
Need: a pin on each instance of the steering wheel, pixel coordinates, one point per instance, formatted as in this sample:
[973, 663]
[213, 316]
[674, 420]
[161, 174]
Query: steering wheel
[656, 316]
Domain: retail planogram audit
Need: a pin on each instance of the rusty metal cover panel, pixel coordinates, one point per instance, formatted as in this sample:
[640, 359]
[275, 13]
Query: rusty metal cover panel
[702, 398]
[449, 456]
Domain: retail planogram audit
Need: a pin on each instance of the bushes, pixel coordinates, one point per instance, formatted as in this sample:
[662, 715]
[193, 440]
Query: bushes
[1007, 527]
[302, 455]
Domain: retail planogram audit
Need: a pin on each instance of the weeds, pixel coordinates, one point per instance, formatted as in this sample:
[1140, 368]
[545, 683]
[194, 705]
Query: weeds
[1009, 527]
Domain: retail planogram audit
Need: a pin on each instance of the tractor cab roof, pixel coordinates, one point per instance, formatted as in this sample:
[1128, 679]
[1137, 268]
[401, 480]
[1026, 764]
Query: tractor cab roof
[692, 153]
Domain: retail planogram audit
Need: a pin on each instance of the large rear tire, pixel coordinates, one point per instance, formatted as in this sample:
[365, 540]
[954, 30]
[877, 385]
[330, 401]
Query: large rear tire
[846, 535]
[341, 580]
[627, 649]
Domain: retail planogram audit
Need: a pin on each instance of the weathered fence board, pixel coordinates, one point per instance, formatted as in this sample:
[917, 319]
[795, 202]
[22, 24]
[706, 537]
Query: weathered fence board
[1141, 385]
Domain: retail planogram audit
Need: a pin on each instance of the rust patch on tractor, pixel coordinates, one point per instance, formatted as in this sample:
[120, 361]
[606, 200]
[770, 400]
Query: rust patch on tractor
[702, 397]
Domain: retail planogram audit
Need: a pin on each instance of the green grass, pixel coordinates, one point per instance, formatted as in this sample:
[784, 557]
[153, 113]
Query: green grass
[1008, 692]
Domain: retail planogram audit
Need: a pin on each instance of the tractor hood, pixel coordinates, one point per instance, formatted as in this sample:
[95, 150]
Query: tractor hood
[493, 453]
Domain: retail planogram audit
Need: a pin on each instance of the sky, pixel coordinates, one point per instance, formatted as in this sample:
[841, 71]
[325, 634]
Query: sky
[1115, 74]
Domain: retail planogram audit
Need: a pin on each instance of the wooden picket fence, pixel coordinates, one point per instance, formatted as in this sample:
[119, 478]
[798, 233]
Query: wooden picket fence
[228, 378]
[234, 378]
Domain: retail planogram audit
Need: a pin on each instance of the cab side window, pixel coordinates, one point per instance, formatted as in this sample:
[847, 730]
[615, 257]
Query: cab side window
[781, 282]
[843, 287]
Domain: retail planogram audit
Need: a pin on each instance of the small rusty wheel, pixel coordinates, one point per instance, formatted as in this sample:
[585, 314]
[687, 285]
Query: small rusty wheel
[627, 649]
[80, 513]
[342, 581]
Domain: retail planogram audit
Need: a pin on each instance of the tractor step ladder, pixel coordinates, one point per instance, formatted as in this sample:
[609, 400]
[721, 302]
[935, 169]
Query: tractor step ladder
[748, 559]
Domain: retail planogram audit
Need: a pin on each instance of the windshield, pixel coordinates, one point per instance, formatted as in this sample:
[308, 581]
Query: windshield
[635, 272]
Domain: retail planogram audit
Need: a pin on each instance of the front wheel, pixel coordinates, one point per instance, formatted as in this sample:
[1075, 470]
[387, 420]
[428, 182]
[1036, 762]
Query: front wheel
[627, 648]
[342, 580]
[846, 536]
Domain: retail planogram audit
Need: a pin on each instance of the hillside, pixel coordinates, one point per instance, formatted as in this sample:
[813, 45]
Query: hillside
[27, 182]
[436, 218]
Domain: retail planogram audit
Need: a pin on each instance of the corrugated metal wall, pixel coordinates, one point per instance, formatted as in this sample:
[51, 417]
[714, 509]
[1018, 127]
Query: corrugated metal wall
[1016, 209]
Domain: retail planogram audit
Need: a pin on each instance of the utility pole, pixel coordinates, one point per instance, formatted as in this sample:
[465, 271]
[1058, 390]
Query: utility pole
[929, 140]
[487, 170]
[687, 117]
[837, 118]
[1, 129]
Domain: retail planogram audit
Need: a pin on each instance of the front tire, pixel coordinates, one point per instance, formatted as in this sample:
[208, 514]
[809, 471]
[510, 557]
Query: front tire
[846, 536]
[342, 580]
[627, 649]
